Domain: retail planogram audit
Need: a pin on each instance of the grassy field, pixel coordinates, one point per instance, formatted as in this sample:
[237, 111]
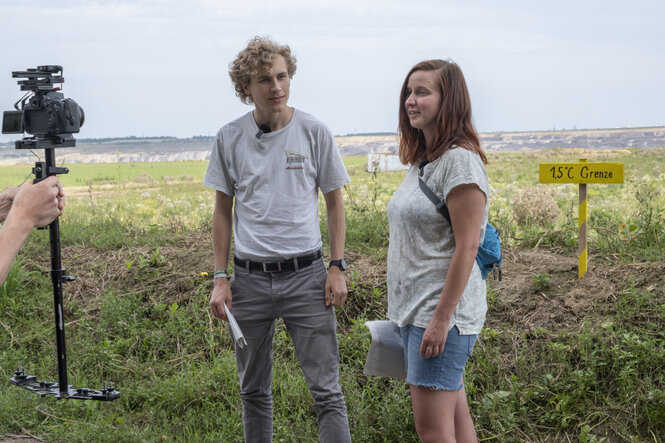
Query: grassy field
[137, 237]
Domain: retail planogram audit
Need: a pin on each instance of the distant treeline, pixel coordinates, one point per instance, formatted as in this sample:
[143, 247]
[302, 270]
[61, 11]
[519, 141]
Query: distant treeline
[166, 138]
[200, 137]
[131, 138]
[366, 134]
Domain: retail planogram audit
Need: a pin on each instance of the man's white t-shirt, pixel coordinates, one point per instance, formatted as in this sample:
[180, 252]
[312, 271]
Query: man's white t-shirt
[275, 180]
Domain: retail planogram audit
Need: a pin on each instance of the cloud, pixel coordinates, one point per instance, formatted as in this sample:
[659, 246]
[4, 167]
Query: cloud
[160, 67]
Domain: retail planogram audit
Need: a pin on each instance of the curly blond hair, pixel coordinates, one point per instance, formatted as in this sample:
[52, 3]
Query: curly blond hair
[259, 53]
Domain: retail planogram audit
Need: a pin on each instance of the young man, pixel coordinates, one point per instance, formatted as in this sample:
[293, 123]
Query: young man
[273, 161]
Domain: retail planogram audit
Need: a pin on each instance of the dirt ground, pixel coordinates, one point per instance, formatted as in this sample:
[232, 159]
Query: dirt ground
[517, 305]
[569, 299]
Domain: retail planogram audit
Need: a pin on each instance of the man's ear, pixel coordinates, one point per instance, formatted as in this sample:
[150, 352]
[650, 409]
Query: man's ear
[245, 89]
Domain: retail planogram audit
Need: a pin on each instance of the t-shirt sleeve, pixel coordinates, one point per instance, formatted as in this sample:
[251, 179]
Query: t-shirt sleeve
[217, 175]
[459, 166]
[331, 171]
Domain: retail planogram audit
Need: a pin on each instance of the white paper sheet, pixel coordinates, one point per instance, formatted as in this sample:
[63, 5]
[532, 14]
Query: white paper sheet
[235, 329]
[386, 351]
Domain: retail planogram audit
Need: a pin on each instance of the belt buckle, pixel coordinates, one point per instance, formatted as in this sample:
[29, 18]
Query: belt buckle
[266, 264]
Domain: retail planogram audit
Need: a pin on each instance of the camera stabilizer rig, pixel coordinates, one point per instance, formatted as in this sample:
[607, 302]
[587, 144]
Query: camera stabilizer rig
[51, 119]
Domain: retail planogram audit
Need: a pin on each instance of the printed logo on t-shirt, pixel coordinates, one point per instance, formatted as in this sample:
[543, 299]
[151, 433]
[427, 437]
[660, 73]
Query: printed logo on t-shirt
[294, 160]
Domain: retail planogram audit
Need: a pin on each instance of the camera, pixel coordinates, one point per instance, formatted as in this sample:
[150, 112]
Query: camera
[43, 111]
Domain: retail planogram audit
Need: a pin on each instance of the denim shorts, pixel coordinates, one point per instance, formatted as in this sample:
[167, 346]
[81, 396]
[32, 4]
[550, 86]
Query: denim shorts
[443, 372]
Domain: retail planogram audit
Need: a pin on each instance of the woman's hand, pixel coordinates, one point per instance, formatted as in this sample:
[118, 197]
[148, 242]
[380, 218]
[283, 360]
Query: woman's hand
[434, 338]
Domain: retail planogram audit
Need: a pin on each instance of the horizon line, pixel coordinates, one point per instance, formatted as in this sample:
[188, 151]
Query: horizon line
[378, 133]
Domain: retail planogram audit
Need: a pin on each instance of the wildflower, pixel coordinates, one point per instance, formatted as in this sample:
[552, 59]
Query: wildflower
[204, 274]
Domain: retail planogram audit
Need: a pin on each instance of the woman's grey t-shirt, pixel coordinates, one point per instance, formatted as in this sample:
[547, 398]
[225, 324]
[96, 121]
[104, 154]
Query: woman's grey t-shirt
[422, 244]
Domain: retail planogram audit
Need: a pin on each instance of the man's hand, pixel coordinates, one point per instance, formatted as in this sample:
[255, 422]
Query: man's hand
[31, 205]
[38, 204]
[336, 290]
[221, 295]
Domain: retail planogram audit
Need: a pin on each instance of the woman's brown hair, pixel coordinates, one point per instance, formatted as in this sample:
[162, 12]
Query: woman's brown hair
[454, 117]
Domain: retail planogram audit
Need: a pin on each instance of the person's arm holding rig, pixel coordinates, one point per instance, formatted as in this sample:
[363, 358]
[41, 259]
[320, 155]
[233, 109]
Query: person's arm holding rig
[22, 209]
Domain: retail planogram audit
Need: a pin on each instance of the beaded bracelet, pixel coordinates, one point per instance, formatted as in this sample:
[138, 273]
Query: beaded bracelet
[221, 274]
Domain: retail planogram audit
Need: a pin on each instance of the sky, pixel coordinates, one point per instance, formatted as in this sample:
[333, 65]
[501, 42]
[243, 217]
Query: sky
[160, 67]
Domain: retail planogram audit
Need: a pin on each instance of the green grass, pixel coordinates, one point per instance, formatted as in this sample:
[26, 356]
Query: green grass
[84, 174]
[605, 379]
[136, 236]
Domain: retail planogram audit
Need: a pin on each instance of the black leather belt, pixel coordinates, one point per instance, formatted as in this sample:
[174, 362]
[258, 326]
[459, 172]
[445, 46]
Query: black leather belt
[278, 266]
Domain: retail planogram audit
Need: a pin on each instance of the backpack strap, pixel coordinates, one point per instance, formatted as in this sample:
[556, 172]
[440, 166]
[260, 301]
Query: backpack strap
[491, 258]
[440, 205]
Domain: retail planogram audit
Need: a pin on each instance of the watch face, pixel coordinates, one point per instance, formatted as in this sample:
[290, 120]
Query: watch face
[340, 263]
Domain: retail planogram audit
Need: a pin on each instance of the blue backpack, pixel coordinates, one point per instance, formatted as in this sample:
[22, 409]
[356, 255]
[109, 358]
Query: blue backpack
[489, 257]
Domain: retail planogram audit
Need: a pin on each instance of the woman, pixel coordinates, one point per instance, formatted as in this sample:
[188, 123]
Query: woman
[436, 293]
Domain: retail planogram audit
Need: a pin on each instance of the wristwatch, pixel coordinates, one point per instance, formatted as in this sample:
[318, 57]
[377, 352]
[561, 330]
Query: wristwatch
[341, 264]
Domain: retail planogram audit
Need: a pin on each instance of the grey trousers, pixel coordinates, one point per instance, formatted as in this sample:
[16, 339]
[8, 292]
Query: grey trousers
[298, 298]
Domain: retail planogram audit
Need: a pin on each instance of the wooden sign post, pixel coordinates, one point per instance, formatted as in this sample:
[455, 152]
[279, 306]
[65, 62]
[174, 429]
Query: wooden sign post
[581, 173]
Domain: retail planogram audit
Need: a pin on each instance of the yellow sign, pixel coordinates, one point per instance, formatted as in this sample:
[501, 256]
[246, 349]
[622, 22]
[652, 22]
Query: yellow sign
[581, 172]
